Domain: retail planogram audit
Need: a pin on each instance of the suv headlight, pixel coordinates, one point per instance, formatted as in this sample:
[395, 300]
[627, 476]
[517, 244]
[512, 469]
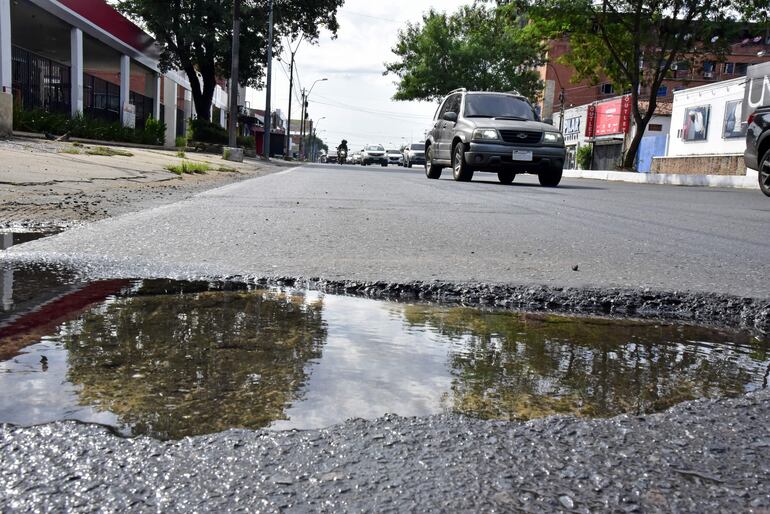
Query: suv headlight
[554, 138]
[486, 134]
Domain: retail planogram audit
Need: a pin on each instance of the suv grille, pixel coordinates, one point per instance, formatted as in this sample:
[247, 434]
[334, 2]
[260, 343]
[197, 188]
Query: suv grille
[522, 137]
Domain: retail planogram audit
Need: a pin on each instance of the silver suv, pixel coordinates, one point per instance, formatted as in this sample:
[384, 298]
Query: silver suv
[494, 132]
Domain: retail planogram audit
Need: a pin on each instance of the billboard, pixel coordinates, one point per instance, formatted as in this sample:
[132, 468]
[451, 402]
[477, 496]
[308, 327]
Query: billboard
[613, 116]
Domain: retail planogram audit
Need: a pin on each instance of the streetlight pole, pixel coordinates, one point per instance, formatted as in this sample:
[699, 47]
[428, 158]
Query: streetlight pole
[305, 96]
[268, 115]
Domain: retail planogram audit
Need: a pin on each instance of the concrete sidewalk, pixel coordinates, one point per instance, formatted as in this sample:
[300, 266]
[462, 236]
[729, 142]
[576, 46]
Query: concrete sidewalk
[748, 181]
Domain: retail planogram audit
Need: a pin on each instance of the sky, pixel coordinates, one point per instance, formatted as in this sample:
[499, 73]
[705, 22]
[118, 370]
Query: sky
[356, 100]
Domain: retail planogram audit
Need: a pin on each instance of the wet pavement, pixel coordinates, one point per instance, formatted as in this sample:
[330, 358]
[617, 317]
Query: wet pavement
[709, 456]
[170, 360]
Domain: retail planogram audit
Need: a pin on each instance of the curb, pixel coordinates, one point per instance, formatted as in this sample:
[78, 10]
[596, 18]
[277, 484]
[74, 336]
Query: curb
[748, 181]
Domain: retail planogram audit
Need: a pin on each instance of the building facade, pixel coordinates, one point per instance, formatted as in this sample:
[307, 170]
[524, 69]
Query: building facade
[82, 56]
[748, 50]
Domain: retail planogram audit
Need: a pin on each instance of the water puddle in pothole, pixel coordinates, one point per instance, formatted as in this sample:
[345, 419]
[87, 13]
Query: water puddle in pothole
[172, 359]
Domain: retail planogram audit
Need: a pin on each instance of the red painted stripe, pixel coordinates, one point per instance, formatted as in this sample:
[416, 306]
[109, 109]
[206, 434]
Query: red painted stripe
[63, 308]
[101, 14]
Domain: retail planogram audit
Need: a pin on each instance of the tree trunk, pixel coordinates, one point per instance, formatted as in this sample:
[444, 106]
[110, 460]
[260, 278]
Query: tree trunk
[629, 160]
[201, 97]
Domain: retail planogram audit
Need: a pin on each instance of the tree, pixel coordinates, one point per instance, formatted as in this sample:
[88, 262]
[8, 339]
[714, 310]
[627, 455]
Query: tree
[634, 42]
[195, 36]
[478, 47]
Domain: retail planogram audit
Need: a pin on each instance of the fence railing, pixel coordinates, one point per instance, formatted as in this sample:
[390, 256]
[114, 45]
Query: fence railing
[39, 83]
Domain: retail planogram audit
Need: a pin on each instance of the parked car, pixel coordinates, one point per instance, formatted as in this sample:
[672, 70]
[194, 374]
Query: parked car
[355, 158]
[414, 154]
[374, 154]
[395, 157]
[493, 132]
[757, 154]
[331, 157]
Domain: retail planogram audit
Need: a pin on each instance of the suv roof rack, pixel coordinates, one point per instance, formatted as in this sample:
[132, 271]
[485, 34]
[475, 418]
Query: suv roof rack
[458, 90]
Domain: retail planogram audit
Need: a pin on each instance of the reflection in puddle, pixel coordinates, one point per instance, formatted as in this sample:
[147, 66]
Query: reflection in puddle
[171, 359]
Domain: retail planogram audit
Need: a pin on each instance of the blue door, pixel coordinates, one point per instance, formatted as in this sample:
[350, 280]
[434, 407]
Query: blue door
[651, 146]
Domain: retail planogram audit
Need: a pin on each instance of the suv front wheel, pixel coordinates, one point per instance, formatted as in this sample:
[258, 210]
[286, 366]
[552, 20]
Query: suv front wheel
[431, 170]
[550, 178]
[461, 172]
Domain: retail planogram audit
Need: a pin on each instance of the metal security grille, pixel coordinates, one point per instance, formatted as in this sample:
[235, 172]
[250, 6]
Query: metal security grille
[522, 137]
[40, 83]
[101, 99]
[143, 106]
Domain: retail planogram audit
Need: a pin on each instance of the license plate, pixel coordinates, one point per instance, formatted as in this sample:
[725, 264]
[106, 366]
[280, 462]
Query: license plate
[522, 155]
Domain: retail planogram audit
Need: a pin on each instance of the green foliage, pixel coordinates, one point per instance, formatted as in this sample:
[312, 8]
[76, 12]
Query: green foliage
[180, 142]
[205, 131]
[154, 132]
[478, 47]
[246, 142]
[188, 168]
[86, 127]
[583, 157]
[634, 44]
[195, 36]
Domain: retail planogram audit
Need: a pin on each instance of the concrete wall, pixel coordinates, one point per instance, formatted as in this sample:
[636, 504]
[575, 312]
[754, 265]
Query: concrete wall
[716, 96]
[700, 165]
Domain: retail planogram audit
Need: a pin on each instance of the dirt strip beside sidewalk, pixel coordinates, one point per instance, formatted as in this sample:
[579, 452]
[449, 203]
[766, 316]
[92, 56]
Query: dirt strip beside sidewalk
[51, 185]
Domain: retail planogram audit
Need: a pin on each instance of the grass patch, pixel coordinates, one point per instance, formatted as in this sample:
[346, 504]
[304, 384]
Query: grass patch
[227, 169]
[188, 168]
[79, 145]
[71, 151]
[181, 154]
[108, 152]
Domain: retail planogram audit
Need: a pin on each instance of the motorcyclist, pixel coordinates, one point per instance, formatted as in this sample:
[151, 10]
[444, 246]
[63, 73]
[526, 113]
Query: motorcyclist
[342, 151]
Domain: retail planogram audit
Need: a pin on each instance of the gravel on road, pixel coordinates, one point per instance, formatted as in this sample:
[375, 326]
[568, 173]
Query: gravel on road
[702, 456]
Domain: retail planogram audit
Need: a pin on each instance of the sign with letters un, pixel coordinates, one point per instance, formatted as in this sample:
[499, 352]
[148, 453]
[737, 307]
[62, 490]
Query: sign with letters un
[757, 88]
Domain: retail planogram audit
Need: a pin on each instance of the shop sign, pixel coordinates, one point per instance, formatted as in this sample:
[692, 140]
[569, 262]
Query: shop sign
[591, 121]
[613, 116]
[571, 128]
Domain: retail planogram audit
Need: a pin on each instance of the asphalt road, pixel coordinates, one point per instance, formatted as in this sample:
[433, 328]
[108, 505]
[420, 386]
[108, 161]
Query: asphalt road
[393, 224]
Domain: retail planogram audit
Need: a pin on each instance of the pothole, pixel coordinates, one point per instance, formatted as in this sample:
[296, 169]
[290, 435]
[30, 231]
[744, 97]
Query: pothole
[171, 359]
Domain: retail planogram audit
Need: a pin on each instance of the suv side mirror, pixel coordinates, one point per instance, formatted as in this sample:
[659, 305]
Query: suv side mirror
[450, 116]
[548, 121]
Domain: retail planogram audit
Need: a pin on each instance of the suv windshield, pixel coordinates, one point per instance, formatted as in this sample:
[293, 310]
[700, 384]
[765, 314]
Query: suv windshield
[497, 106]
[418, 146]
[394, 152]
[375, 148]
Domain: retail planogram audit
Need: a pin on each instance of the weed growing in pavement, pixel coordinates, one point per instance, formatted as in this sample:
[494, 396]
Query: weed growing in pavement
[72, 151]
[79, 145]
[181, 154]
[108, 152]
[188, 168]
[227, 169]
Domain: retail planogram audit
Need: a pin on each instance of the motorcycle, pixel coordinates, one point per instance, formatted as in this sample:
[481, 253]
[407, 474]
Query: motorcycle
[342, 156]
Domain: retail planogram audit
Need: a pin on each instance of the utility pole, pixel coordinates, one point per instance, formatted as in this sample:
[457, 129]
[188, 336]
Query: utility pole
[302, 123]
[291, 92]
[268, 114]
[232, 126]
[561, 110]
